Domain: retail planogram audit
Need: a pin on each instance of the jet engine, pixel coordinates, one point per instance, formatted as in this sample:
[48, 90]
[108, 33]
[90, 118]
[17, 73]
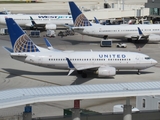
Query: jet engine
[154, 38]
[50, 26]
[106, 71]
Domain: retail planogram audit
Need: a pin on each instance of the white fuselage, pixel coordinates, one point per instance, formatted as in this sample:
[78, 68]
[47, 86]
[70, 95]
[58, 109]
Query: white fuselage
[57, 60]
[119, 31]
[24, 19]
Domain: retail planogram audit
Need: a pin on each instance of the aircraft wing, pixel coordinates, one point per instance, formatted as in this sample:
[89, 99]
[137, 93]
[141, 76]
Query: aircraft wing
[38, 24]
[86, 67]
[131, 36]
[138, 36]
[77, 28]
[79, 67]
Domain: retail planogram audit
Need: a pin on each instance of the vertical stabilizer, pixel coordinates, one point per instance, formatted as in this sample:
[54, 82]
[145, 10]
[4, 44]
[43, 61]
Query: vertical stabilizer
[19, 39]
[78, 17]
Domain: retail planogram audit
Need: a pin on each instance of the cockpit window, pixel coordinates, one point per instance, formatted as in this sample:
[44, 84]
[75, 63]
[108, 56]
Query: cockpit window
[147, 58]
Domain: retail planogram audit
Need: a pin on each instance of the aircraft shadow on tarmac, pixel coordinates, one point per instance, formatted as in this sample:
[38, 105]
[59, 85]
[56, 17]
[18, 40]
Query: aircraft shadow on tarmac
[78, 80]
[138, 44]
[132, 72]
[15, 72]
[75, 42]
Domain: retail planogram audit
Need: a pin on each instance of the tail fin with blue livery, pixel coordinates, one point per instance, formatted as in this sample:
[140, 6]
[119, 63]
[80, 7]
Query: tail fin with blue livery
[19, 39]
[96, 21]
[79, 19]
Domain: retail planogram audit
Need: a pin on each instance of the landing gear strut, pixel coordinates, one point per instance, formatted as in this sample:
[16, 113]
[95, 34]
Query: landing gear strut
[138, 72]
[105, 37]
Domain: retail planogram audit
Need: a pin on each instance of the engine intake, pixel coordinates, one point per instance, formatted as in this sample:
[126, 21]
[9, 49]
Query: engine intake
[106, 71]
[50, 26]
[154, 38]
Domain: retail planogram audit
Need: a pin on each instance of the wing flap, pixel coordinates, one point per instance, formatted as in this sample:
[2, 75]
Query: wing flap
[72, 67]
[86, 67]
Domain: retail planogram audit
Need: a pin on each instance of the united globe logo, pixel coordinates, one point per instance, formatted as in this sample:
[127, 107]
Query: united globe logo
[24, 44]
[81, 20]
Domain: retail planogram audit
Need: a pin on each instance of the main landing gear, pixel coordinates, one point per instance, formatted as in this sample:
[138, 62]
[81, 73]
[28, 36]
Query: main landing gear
[138, 72]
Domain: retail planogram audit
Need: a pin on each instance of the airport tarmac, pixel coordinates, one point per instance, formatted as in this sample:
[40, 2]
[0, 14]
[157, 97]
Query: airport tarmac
[15, 74]
[50, 6]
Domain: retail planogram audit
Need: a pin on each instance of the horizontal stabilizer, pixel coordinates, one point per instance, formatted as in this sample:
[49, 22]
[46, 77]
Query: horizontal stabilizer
[49, 46]
[8, 49]
[47, 42]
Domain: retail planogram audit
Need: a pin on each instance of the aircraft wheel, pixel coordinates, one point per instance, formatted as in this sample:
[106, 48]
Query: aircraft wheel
[138, 73]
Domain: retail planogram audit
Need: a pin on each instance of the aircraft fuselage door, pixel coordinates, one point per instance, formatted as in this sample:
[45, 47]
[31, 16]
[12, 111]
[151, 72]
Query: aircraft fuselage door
[138, 59]
[39, 59]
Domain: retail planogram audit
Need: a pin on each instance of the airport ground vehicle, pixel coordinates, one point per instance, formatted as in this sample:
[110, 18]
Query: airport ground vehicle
[4, 31]
[106, 43]
[50, 33]
[121, 45]
[34, 33]
[65, 33]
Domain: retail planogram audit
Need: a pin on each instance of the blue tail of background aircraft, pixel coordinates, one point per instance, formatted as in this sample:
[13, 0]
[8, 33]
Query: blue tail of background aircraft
[19, 39]
[32, 21]
[78, 17]
[96, 21]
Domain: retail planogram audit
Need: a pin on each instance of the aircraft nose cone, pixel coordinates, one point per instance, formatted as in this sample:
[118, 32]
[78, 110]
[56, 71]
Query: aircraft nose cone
[154, 62]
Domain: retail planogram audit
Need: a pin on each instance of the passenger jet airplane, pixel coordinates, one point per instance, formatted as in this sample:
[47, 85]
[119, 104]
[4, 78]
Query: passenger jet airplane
[82, 25]
[105, 63]
[48, 22]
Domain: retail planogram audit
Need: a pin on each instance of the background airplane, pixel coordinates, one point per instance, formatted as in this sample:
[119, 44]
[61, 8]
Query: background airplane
[103, 63]
[48, 22]
[131, 32]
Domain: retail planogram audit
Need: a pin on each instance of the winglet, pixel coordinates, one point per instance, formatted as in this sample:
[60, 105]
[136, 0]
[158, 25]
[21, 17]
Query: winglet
[70, 66]
[140, 33]
[79, 18]
[96, 21]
